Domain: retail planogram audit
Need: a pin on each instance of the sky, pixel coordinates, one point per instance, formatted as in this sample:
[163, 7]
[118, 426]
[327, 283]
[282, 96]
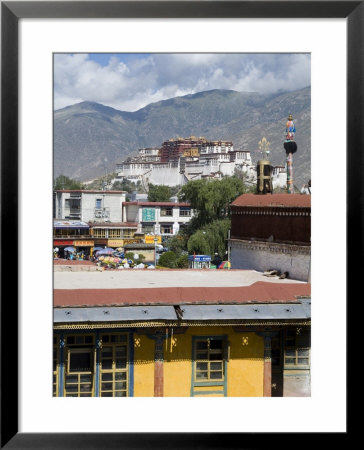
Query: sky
[128, 82]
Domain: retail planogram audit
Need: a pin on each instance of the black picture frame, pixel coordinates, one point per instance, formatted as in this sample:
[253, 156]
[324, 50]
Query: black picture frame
[11, 12]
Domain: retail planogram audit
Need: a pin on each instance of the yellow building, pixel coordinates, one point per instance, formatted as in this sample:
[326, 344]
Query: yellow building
[207, 339]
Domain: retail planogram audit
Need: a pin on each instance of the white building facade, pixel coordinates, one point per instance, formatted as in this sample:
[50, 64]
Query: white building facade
[157, 218]
[214, 161]
[89, 206]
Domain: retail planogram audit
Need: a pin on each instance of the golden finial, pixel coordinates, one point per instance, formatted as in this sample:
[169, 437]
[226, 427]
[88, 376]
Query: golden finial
[264, 145]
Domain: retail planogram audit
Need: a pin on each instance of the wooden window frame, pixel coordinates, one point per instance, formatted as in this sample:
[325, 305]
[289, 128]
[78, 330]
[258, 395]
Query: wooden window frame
[295, 349]
[218, 385]
[115, 233]
[78, 347]
[114, 370]
[166, 211]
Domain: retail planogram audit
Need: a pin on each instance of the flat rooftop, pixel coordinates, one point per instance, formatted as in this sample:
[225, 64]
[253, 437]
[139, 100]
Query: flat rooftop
[137, 278]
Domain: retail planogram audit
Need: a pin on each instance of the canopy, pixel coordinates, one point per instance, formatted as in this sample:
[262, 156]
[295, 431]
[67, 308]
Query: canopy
[69, 249]
[225, 265]
[70, 224]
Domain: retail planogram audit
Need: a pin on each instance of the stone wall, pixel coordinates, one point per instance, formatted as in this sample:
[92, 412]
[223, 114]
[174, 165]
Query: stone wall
[262, 256]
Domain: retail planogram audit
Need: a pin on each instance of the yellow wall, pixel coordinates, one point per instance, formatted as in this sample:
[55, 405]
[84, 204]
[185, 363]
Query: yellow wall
[143, 366]
[244, 369]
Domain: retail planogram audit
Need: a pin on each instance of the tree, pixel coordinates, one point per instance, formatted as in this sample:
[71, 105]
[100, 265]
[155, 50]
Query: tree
[64, 182]
[210, 239]
[211, 198]
[159, 193]
[182, 262]
[128, 186]
[198, 243]
[168, 259]
[177, 243]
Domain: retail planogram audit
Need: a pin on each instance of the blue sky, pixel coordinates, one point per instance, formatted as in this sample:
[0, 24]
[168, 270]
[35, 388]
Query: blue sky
[129, 82]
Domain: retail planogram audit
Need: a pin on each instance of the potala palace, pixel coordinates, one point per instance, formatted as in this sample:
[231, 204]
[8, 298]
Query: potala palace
[184, 159]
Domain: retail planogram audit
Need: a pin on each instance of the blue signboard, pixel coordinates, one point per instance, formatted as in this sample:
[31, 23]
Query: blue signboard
[199, 258]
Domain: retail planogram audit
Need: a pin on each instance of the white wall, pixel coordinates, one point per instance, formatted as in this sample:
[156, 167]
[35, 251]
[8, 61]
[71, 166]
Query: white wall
[262, 256]
[111, 202]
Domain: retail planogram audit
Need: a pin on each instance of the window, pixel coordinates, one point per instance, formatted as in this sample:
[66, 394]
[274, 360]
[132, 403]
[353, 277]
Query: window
[166, 211]
[115, 233]
[147, 228]
[113, 367]
[79, 375]
[209, 366]
[98, 203]
[209, 359]
[185, 212]
[297, 348]
[128, 233]
[99, 232]
[166, 228]
[72, 204]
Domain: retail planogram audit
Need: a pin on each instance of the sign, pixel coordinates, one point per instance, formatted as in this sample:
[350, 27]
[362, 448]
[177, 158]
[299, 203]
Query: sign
[132, 241]
[148, 215]
[63, 242]
[83, 243]
[150, 239]
[115, 242]
[199, 258]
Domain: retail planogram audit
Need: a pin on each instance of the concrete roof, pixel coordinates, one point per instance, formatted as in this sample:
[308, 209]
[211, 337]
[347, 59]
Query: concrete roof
[179, 287]
[125, 279]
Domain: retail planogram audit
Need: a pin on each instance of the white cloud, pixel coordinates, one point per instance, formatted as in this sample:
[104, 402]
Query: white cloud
[131, 83]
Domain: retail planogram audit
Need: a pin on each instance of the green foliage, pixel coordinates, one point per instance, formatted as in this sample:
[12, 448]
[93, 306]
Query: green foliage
[63, 182]
[168, 259]
[159, 193]
[210, 239]
[128, 186]
[177, 243]
[211, 198]
[182, 262]
[198, 243]
[250, 186]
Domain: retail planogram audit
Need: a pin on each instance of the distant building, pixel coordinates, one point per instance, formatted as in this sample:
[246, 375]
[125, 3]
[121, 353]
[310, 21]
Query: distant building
[113, 235]
[272, 232]
[158, 218]
[85, 237]
[89, 206]
[180, 160]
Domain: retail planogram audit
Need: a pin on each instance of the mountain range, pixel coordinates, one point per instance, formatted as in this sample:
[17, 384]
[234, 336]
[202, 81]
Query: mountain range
[90, 138]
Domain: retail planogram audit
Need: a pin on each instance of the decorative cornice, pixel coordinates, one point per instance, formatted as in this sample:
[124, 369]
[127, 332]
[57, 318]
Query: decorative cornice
[95, 326]
[273, 247]
[271, 211]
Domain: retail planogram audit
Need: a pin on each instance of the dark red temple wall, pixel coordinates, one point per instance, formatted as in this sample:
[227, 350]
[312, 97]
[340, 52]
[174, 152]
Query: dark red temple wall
[284, 228]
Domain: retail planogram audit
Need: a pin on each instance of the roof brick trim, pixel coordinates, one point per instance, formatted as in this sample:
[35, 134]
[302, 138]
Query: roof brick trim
[259, 292]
